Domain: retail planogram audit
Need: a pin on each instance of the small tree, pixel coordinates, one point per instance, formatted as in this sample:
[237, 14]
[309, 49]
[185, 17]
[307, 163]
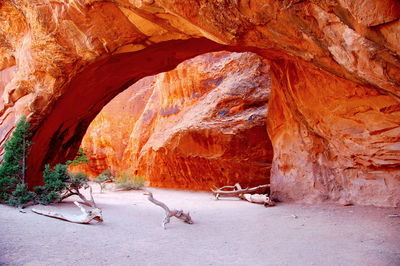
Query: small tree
[13, 167]
[55, 181]
[61, 184]
[103, 178]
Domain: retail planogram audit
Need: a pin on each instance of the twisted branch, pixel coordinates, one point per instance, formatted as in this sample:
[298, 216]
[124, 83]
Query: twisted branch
[185, 217]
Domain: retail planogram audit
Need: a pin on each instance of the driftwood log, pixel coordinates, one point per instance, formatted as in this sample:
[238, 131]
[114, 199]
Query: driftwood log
[248, 194]
[185, 217]
[86, 216]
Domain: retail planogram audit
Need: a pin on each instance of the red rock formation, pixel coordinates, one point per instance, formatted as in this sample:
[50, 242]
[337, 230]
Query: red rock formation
[106, 139]
[336, 137]
[91, 50]
[203, 125]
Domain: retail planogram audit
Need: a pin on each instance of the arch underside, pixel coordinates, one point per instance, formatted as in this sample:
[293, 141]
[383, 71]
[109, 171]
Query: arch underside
[310, 163]
[333, 115]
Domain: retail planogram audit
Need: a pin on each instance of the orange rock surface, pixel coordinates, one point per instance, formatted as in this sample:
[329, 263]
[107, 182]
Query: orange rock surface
[62, 61]
[108, 135]
[336, 137]
[198, 126]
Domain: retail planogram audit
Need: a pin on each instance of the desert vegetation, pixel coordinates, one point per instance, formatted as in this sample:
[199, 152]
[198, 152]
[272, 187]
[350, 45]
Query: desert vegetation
[59, 183]
[126, 180]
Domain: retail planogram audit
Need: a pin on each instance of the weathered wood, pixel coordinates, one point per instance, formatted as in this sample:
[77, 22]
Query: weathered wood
[237, 190]
[86, 216]
[185, 217]
[258, 198]
[248, 194]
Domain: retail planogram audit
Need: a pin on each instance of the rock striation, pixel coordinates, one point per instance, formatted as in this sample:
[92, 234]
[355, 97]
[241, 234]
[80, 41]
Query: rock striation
[336, 137]
[198, 126]
[62, 61]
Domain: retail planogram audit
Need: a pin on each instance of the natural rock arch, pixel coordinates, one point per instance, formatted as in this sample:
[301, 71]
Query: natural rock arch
[51, 50]
[199, 126]
[60, 134]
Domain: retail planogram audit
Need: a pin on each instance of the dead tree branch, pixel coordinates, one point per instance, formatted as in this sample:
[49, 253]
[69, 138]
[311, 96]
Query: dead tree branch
[237, 190]
[185, 217]
[248, 194]
[258, 198]
[86, 216]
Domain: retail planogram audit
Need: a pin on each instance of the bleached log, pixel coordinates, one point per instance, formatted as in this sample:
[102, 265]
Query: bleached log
[185, 217]
[258, 198]
[86, 216]
[237, 191]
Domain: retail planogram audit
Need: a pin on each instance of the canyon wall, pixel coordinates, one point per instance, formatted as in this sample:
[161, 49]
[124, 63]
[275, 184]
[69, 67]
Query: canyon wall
[109, 133]
[62, 61]
[331, 135]
[198, 126]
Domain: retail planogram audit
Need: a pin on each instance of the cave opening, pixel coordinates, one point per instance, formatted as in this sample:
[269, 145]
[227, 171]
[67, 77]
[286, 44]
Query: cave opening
[199, 126]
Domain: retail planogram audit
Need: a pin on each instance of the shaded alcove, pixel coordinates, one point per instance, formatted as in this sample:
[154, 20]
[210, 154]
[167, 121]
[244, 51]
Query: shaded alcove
[201, 125]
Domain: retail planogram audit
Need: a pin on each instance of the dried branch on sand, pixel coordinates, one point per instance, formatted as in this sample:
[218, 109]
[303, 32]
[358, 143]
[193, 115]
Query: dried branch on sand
[86, 216]
[185, 217]
[248, 194]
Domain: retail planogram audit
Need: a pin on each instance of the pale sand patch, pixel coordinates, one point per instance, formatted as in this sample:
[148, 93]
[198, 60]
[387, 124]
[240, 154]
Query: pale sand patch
[225, 232]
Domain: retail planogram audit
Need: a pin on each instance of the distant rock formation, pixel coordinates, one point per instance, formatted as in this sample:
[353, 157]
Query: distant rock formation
[198, 126]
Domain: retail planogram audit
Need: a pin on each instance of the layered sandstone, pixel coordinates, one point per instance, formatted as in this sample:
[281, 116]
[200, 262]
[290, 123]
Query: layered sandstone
[62, 61]
[198, 126]
[336, 137]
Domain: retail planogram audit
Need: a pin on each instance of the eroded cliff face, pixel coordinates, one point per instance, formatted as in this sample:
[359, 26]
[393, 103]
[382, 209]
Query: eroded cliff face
[109, 133]
[336, 137]
[56, 55]
[198, 126]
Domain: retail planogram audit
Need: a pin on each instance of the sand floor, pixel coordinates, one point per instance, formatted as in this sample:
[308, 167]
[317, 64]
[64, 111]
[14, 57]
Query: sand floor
[226, 232]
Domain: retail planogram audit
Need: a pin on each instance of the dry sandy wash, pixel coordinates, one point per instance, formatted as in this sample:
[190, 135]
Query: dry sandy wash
[226, 232]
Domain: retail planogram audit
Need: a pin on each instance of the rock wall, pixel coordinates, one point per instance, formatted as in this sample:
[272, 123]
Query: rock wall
[62, 61]
[198, 126]
[336, 137]
[108, 135]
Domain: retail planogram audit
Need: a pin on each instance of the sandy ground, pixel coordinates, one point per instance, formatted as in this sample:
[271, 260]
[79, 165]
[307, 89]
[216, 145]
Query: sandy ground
[226, 232]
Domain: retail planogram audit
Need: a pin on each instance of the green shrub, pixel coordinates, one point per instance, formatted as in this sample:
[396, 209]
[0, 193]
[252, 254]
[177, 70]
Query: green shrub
[127, 181]
[104, 177]
[77, 180]
[59, 184]
[20, 196]
[7, 186]
[55, 181]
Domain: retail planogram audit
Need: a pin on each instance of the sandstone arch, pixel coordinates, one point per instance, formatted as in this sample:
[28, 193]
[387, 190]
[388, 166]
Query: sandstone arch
[199, 126]
[50, 48]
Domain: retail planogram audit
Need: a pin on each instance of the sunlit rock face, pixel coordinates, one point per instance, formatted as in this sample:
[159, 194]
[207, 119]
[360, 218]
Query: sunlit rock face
[333, 140]
[109, 133]
[62, 61]
[198, 126]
